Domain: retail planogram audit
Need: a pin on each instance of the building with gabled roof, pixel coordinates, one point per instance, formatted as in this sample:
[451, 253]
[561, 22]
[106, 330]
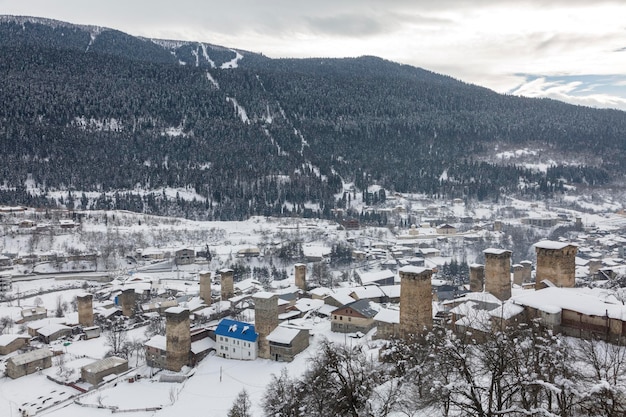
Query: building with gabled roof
[357, 316]
[286, 342]
[382, 277]
[11, 342]
[95, 372]
[387, 324]
[29, 362]
[236, 340]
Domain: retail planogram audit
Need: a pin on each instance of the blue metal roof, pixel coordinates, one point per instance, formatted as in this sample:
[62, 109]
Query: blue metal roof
[236, 329]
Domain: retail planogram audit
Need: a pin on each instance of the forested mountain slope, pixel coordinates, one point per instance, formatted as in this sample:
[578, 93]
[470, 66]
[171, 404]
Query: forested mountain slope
[94, 109]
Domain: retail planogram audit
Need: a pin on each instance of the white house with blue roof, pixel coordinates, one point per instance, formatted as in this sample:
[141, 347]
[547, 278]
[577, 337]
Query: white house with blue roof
[236, 340]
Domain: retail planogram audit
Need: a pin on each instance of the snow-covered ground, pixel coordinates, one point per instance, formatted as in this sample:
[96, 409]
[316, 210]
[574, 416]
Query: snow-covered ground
[216, 382]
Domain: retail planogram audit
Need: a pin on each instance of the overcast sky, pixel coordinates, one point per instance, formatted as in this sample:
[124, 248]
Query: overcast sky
[571, 50]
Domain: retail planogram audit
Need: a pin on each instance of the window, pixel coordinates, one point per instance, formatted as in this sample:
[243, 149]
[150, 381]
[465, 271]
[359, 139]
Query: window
[340, 317]
[335, 317]
[349, 318]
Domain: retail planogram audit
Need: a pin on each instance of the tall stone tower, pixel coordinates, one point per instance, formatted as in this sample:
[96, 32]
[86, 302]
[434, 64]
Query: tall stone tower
[227, 284]
[556, 262]
[416, 300]
[477, 277]
[498, 273]
[265, 319]
[301, 276]
[127, 301]
[177, 338]
[85, 309]
[205, 287]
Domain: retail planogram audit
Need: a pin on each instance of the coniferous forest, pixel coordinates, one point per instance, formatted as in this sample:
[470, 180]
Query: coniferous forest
[89, 109]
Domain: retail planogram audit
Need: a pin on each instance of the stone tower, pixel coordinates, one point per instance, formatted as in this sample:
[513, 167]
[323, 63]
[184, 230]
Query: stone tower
[594, 267]
[518, 274]
[127, 301]
[498, 273]
[528, 271]
[416, 300]
[177, 338]
[265, 319]
[227, 284]
[556, 262]
[301, 276]
[477, 277]
[205, 287]
[85, 309]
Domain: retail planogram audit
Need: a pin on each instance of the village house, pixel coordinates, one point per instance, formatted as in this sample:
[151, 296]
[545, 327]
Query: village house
[286, 342]
[575, 313]
[184, 256]
[28, 363]
[387, 324]
[357, 316]
[446, 229]
[156, 351]
[236, 340]
[10, 343]
[32, 314]
[53, 332]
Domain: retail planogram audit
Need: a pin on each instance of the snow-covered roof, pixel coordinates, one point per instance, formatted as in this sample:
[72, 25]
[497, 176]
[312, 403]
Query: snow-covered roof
[283, 335]
[326, 309]
[342, 298]
[496, 251]
[201, 345]
[263, 295]
[368, 291]
[391, 291]
[479, 320]
[307, 304]
[484, 297]
[387, 315]
[237, 330]
[507, 311]
[52, 329]
[33, 355]
[413, 269]
[465, 309]
[550, 244]
[176, 310]
[374, 276]
[553, 300]
[6, 339]
[321, 291]
[38, 324]
[104, 364]
[157, 341]
[363, 307]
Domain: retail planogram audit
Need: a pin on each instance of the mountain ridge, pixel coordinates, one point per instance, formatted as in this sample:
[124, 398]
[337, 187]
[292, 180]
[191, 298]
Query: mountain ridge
[269, 136]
